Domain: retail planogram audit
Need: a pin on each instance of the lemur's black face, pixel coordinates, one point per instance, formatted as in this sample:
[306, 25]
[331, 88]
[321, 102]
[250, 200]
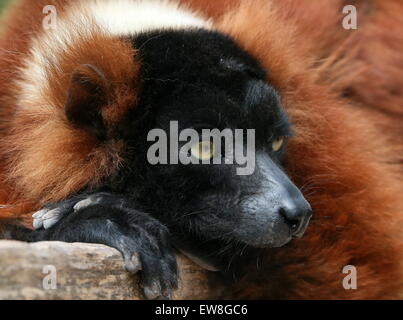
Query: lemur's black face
[203, 80]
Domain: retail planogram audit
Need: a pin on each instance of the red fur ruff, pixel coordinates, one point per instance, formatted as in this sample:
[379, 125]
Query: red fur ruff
[341, 88]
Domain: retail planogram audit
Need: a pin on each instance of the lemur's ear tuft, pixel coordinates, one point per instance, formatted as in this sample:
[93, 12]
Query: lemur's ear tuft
[86, 96]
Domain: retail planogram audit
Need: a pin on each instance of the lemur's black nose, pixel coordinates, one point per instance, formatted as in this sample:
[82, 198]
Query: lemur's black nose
[296, 215]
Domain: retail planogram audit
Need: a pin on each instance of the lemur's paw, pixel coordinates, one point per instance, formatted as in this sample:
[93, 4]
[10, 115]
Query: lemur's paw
[109, 219]
[45, 218]
[49, 215]
[146, 248]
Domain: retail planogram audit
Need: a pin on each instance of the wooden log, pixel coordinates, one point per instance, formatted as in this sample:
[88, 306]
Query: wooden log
[81, 271]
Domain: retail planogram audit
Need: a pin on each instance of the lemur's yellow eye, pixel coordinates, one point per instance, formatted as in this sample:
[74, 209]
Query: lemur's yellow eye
[277, 143]
[204, 150]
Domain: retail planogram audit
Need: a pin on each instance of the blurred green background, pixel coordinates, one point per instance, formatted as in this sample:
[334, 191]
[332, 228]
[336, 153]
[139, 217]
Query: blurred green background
[3, 4]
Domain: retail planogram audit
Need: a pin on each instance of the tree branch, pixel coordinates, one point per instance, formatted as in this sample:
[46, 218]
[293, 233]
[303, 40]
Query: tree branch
[85, 271]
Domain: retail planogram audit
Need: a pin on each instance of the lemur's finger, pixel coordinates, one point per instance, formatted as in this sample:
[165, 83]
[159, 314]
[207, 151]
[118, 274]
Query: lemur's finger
[153, 291]
[38, 218]
[50, 218]
[132, 262]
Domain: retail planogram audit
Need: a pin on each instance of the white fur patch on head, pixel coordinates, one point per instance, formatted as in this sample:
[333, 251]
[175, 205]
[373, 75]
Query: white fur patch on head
[126, 17]
[79, 19]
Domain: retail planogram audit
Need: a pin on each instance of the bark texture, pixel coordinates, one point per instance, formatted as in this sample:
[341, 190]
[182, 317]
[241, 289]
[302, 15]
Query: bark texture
[84, 272]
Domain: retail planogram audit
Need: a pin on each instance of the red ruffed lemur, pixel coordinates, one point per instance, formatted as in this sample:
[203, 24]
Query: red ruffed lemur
[77, 101]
